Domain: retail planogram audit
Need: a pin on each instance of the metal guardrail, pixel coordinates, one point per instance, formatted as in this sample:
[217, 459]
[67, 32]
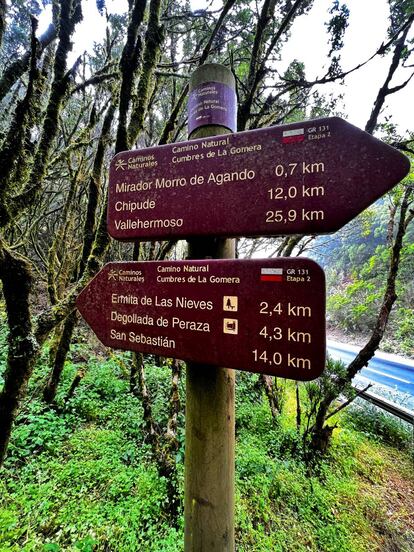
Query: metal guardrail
[391, 407]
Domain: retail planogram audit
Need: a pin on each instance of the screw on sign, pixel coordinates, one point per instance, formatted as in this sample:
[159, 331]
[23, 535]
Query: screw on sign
[263, 316]
[303, 178]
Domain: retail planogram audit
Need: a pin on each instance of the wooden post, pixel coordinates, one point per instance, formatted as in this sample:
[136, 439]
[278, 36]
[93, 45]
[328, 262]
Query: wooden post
[209, 452]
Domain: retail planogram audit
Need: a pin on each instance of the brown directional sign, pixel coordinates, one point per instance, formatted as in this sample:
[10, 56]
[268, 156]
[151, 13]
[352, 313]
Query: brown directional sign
[256, 315]
[308, 177]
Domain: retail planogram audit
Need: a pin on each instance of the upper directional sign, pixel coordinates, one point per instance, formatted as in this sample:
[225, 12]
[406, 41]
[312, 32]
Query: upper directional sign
[304, 178]
[256, 315]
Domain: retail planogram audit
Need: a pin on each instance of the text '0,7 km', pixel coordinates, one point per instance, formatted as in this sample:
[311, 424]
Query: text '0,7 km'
[309, 177]
[263, 316]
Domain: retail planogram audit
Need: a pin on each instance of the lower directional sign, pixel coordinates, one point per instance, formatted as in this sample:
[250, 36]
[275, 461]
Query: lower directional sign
[263, 316]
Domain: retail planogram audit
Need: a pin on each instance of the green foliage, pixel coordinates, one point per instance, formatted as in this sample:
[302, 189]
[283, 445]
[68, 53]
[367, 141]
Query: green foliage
[379, 425]
[82, 477]
[337, 25]
[353, 245]
[404, 323]
[293, 511]
[3, 342]
[39, 429]
[87, 496]
[17, 36]
[355, 307]
[356, 261]
[326, 385]
[399, 9]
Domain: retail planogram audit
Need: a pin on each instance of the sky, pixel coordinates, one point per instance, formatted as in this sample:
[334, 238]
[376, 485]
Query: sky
[309, 43]
[367, 30]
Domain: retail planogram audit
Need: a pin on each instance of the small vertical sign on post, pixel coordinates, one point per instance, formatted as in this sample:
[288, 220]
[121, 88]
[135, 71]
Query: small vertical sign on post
[211, 104]
[210, 430]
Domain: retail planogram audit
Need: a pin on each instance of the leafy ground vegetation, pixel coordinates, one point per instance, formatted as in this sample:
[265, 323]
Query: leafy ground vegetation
[80, 476]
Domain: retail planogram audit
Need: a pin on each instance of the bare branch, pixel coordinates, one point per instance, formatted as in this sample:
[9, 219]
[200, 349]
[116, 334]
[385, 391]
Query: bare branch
[13, 73]
[348, 402]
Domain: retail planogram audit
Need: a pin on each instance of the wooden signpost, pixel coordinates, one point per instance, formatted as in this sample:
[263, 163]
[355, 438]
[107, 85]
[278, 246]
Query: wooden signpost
[210, 390]
[263, 316]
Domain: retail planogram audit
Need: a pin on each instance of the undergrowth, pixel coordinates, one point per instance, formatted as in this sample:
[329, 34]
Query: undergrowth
[80, 477]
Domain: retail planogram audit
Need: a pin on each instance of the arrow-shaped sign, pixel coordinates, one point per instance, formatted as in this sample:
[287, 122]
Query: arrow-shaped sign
[310, 177]
[257, 315]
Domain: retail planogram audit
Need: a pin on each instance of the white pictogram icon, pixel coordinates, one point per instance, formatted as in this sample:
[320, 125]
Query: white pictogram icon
[230, 303]
[120, 164]
[113, 275]
[230, 326]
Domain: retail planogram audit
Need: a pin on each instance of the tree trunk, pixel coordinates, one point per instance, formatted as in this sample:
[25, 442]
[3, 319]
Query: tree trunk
[16, 69]
[3, 8]
[49, 392]
[74, 385]
[272, 396]
[298, 408]
[58, 353]
[385, 90]
[15, 273]
[171, 447]
[164, 446]
[134, 376]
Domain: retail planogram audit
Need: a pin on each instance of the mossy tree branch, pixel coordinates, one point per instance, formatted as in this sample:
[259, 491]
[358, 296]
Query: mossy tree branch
[154, 38]
[15, 271]
[13, 73]
[65, 331]
[70, 15]
[318, 434]
[3, 9]
[385, 89]
[128, 67]
[171, 124]
[16, 275]
[257, 67]
[14, 153]
[54, 271]
[95, 184]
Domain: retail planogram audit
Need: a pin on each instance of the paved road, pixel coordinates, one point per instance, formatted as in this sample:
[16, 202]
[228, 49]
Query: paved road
[391, 371]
